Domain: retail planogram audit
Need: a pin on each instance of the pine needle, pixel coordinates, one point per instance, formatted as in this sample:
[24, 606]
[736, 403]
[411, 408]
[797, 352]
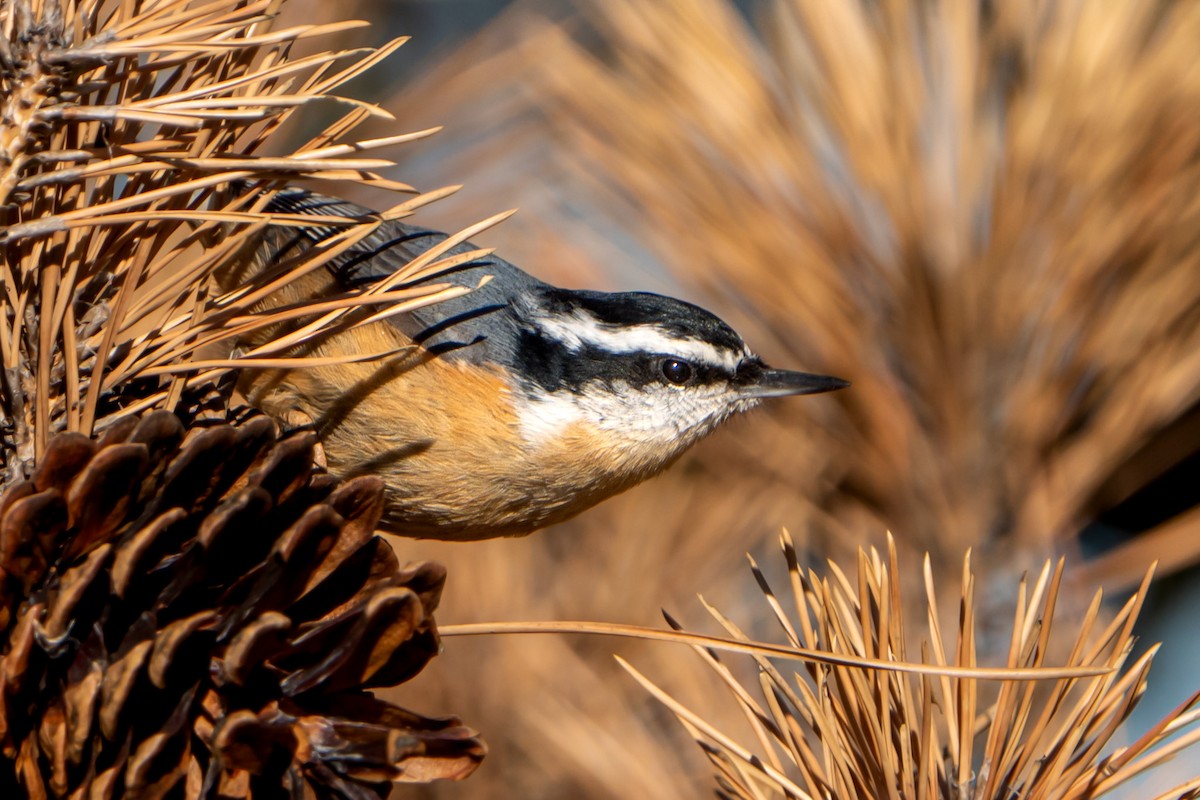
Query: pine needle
[879, 720]
[135, 136]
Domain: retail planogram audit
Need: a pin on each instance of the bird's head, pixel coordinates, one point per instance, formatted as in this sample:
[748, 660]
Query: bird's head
[654, 373]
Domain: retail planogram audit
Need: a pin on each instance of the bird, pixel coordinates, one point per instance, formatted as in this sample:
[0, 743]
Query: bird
[512, 407]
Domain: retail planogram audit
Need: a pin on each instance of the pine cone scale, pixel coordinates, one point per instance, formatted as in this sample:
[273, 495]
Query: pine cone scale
[203, 614]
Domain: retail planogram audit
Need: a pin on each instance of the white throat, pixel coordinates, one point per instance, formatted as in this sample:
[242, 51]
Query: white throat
[666, 416]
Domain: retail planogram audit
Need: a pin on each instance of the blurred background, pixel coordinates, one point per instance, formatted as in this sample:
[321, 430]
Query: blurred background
[986, 215]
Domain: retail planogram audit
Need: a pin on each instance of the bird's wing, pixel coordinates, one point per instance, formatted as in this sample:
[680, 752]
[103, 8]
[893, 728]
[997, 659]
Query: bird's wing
[480, 326]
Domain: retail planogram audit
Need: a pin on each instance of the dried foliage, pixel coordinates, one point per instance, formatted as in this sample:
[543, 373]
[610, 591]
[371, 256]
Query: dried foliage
[124, 127]
[201, 613]
[837, 731]
[153, 648]
[983, 214]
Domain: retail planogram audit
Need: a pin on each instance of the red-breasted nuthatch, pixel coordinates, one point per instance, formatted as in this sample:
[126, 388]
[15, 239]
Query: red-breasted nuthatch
[523, 403]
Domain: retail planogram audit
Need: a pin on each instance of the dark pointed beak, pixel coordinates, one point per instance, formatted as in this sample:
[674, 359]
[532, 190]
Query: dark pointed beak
[763, 382]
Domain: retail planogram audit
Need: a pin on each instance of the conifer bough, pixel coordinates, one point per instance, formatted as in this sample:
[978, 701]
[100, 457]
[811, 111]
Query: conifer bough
[184, 611]
[122, 127]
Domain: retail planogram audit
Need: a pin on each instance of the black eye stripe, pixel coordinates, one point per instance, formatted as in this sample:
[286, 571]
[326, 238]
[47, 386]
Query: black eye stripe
[552, 366]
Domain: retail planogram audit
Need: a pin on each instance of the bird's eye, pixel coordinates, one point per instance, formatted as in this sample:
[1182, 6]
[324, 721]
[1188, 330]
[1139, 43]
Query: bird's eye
[676, 371]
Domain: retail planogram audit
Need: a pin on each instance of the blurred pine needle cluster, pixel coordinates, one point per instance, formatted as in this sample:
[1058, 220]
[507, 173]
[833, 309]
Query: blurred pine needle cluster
[983, 214]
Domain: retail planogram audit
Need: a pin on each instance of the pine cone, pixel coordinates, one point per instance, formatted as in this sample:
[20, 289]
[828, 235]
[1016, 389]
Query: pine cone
[200, 614]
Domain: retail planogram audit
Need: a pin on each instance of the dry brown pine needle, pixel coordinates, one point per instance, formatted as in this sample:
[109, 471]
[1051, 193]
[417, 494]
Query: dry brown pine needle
[837, 731]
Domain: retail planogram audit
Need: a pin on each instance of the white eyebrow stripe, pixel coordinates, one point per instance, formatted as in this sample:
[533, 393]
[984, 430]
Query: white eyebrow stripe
[581, 329]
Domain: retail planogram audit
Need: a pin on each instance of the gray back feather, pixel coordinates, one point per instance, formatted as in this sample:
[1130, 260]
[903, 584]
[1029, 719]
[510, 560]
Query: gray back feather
[481, 326]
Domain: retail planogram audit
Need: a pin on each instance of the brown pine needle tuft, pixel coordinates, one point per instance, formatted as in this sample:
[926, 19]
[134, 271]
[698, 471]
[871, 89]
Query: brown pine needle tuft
[838, 730]
[191, 609]
[142, 143]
